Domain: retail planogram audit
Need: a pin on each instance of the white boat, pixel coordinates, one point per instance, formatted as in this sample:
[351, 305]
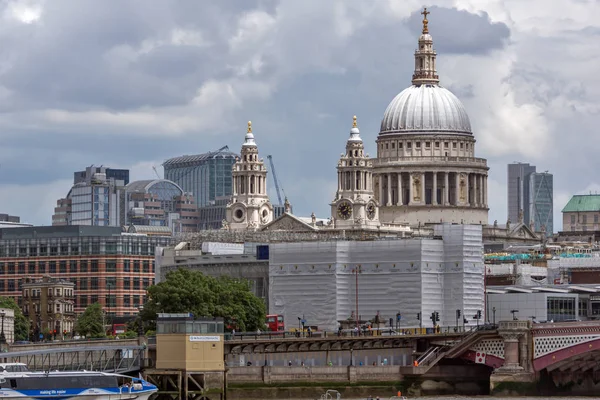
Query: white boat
[17, 382]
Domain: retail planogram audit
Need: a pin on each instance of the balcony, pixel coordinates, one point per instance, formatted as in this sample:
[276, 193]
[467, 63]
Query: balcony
[425, 160]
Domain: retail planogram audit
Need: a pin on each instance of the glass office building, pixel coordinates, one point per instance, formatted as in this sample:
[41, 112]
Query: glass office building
[206, 176]
[532, 193]
[541, 201]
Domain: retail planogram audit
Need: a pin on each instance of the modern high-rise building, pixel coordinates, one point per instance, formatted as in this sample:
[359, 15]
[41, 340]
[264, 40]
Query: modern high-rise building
[530, 196]
[96, 198]
[206, 176]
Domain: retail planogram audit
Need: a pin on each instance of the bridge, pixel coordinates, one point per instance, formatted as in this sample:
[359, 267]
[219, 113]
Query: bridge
[120, 356]
[514, 351]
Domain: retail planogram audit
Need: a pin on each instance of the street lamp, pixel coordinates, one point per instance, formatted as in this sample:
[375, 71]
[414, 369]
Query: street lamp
[2, 337]
[513, 312]
[494, 314]
[299, 326]
[141, 322]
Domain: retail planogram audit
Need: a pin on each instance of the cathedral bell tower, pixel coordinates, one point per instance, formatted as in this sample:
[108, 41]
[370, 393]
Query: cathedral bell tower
[250, 207]
[354, 206]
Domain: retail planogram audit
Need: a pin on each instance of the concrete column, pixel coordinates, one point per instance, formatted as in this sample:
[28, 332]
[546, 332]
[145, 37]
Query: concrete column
[467, 188]
[410, 188]
[485, 193]
[511, 352]
[475, 190]
[399, 189]
[423, 187]
[457, 189]
[446, 188]
[389, 190]
[234, 185]
[380, 182]
[339, 181]
[434, 199]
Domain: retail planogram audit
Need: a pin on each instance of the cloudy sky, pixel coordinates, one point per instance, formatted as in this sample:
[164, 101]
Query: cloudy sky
[128, 84]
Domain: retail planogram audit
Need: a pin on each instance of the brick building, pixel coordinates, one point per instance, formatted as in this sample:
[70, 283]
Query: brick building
[105, 264]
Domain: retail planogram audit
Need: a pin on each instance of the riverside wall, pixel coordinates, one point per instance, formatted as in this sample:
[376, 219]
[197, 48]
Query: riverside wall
[352, 381]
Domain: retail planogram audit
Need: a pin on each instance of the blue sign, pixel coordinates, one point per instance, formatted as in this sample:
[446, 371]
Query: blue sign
[41, 335]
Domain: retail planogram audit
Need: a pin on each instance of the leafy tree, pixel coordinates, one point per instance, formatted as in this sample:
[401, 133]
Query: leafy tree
[21, 322]
[202, 295]
[90, 323]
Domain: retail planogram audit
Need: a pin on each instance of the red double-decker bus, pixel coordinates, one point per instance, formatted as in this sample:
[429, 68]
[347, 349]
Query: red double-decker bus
[275, 323]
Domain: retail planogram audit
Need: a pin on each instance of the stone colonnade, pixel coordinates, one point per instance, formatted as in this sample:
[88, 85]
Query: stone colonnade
[436, 188]
[249, 184]
[355, 180]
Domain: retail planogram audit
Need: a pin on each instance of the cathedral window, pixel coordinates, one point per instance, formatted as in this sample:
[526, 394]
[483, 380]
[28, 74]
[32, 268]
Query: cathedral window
[386, 146]
[408, 145]
[453, 145]
[446, 144]
[399, 145]
[427, 144]
[437, 144]
[393, 145]
[462, 145]
[418, 145]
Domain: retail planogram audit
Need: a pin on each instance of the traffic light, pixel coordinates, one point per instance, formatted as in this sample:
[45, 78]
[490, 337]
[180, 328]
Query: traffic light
[418, 316]
[432, 316]
[64, 332]
[437, 316]
[478, 314]
[458, 313]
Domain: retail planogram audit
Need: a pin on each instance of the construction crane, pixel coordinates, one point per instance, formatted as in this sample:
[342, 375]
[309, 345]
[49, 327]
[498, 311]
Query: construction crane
[156, 172]
[276, 180]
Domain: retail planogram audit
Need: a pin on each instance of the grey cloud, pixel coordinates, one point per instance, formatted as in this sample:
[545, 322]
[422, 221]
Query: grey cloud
[461, 32]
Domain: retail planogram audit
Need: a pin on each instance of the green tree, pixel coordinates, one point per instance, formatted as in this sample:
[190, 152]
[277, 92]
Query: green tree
[21, 322]
[90, 323]
[192, 291]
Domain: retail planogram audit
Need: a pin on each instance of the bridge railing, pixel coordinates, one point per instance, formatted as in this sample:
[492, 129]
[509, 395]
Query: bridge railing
[388, 332]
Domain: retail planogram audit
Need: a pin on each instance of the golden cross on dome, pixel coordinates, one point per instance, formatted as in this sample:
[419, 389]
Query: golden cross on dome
[425, 22]
[249, 126]
[354, 122]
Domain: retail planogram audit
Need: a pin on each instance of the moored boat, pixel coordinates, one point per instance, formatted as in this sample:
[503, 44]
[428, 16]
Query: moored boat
[17, 382]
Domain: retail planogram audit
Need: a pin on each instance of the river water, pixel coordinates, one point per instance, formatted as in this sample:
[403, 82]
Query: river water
[484, 397]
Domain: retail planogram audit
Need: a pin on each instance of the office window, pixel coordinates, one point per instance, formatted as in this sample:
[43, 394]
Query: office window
[74, 250]
[64, 250]
[2, 285]
[126, 283]
[111, 282]
[11, 268]
[145, 283]
[83, 301]
[136, 300]
[43, 250]
[62, 267]
[73, 266]
[94, 283]
[2, 272]
[111, 265]
[136, 283]
[126, 265]
[83, 284]
[561, 308]
[42, 267]
[11, 285]
[136, 265]
[95, 248]
[94, 299]
[53, 250]
[32, 251]
[126, 301]
[31, 267]
[83, 266]
[12, 251]
[94, 266]
[153, 267]
[146, 266]
[21, 268]
[22, 251]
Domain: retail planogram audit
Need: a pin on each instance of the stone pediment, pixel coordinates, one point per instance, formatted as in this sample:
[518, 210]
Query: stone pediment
[288, 222]
[522, 231]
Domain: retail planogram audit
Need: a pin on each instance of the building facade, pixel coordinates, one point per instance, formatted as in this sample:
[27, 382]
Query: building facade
[96, 199]
[10, 221]
[107, 266]
[530, 197]
[206, 176]
[582, 213]
[49, 304]
[160, 202]
[327, 282]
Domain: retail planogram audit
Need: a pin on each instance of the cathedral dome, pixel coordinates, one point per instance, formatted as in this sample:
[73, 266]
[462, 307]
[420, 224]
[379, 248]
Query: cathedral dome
[426, 108]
